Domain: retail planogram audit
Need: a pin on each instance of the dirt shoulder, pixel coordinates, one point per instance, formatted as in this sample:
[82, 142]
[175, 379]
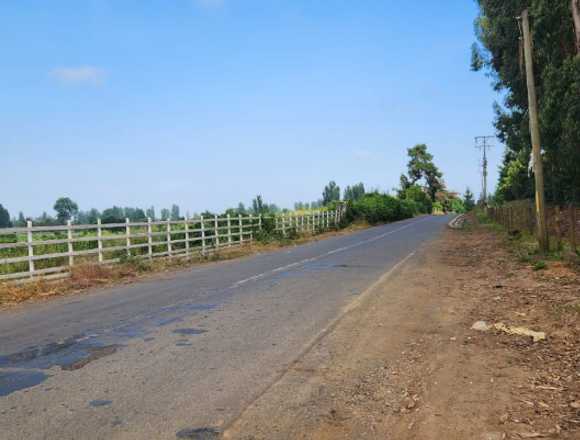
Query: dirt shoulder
[406, 363]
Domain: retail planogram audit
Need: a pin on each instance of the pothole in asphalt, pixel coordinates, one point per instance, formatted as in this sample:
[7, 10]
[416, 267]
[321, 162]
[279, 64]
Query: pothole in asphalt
[94, 354]
[198, 434]
[189, 331]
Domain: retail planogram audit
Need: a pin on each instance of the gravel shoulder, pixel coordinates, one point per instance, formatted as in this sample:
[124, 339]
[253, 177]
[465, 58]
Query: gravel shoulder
[406, 364]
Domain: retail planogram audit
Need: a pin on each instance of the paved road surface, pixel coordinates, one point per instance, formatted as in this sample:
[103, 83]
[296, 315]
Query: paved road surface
[163, 358]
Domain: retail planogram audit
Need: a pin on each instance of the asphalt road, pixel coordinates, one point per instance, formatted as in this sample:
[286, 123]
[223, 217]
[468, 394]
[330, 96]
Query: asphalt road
[182, 356]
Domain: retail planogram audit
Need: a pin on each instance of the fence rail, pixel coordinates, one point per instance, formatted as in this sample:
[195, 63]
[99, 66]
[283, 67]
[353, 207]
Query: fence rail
[51, 251]
[563, 223]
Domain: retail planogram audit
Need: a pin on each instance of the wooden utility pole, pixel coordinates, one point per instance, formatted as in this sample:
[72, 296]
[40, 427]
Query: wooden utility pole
[535, 133]
[575, 7]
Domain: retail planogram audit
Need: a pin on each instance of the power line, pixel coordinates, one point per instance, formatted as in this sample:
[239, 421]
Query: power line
[483, 143]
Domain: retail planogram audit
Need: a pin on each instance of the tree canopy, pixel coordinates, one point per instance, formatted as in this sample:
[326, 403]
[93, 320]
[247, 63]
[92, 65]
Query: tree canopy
[331, 193]
[65, 209]
[354, 192]
[499, 53]
[422, 168]
[468, 200]
[4, 217]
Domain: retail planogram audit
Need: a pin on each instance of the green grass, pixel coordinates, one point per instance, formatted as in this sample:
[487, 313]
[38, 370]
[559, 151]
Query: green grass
[539, 265]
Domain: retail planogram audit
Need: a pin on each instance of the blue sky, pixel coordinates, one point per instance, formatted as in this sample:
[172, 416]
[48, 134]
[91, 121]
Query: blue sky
[206, 103]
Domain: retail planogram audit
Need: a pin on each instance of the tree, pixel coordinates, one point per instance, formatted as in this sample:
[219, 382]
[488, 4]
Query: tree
[165, 214]
[21, 219]
[175, 212]
[355, 192]
[115, 214]
[45, 220]
[4, 217]
[241, 209]
[421, 167]
[258, 205]
[557, 71]
[138, 215]
[65, 209]
[151, 213]
[468, 200]
[331, 193]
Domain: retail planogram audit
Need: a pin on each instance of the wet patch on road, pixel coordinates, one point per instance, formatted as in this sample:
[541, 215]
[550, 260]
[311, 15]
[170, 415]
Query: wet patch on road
[98, 403]
[77, 351]
[94, 353]
[189, 331]
[183, 344]
[71, 354]
[198, 434]
[18, 380]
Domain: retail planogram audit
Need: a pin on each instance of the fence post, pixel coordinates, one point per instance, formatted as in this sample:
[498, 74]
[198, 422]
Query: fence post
[202, 235]
[149, 238]
[252, 225]
[572, 210]
[30, 248]
[558, 227]
[216, 231]
[169, 249]
[100, 240]
[229, 232]
[260, 222]
[69, 241]
[128, 236]
[186, 223]
[283, 224]
[241, 228]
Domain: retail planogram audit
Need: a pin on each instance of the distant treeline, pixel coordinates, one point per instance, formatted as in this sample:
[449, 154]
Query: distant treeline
[422, 191]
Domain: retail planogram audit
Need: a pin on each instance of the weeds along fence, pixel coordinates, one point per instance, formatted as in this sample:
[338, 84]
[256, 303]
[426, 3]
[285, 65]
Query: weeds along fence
[563, 223]
[51, 251]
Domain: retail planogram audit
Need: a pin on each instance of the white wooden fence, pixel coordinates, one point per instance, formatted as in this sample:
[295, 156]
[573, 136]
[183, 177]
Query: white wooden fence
[50, 251]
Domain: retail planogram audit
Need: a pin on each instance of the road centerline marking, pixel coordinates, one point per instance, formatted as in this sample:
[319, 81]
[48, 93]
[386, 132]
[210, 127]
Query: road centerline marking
[318, 257]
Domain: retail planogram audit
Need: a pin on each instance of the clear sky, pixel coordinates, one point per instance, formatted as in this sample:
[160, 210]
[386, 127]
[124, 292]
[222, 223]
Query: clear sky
[206, 103]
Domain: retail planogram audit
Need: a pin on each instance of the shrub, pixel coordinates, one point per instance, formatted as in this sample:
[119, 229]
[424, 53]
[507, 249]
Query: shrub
[381, 208]
[420, 197]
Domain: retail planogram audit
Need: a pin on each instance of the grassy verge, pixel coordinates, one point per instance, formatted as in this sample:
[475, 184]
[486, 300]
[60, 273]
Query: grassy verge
[525, 246]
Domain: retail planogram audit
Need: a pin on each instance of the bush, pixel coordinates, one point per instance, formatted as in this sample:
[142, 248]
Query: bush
[409, 208]
[422, 199]
[381, 208]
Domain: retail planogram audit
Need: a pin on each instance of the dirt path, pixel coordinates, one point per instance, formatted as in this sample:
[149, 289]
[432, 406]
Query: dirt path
[406, 364]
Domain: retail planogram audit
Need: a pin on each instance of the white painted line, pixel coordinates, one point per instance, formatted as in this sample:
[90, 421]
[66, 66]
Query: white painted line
[318, 257]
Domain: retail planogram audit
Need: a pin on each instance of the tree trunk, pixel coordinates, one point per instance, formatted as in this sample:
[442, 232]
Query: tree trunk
[575, 6]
